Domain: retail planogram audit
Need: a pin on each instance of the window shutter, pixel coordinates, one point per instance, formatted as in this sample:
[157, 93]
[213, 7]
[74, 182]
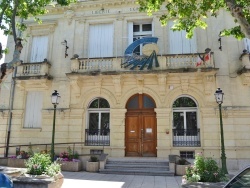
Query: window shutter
[247, 44]
[101, 40]
[33, 115]
[179, 44]
[130, 33]
[39, 48]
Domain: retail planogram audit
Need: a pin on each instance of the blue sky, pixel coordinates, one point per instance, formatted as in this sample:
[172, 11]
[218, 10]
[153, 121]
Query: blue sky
[3, 40]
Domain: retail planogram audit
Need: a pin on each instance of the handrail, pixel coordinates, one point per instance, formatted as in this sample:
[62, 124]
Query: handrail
[46, 145]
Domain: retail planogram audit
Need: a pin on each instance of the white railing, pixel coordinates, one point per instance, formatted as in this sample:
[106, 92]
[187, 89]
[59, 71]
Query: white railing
[173, 61]
[189, 61]
[85, 65]
[33, 69]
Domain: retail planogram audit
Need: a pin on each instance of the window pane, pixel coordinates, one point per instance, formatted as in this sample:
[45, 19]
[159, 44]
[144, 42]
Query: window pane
[103, 103]
[147, 27]
[104, 123]
[191, 123]
[179, 122]
[136, 28]
[133, 103]
[148, 102]
[94, 104]
[184, 102]
[93, 123]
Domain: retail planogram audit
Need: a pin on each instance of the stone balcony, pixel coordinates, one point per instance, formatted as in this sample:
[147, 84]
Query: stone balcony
[170, 62]
[33, 75]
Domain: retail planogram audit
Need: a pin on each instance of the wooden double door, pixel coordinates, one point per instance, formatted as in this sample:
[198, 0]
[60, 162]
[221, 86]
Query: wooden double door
[140, 127]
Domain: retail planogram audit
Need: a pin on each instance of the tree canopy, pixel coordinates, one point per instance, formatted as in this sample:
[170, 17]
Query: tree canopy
[191, 14]
[11, 10]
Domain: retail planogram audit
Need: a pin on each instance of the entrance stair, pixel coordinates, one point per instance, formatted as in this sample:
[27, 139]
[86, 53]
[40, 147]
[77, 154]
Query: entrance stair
[137, 166]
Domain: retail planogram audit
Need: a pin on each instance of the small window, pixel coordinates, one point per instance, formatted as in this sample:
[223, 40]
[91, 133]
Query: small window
[136, 28]
[147, 27]
[133, 103]
[187, 154]
[96, 152]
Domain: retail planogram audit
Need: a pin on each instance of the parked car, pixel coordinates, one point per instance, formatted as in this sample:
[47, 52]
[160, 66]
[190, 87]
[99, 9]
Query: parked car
[240, 180]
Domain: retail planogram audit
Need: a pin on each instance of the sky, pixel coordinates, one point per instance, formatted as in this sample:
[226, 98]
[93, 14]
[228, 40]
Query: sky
[3, 40]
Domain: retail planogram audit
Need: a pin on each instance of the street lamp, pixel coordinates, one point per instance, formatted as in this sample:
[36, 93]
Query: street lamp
[219, 99]
[55, 98]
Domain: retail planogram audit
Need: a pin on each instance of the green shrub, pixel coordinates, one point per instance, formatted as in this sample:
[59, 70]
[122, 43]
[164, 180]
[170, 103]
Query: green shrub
[40, 163]
[204, 170]
[93, 159]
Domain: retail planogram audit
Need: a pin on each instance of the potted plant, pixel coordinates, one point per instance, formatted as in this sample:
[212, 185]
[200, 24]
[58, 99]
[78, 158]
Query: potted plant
[180, 166]
[92, 165]
[40, 171]
[69, 161]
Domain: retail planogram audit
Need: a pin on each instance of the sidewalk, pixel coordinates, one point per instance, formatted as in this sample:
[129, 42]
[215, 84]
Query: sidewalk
[95, 180]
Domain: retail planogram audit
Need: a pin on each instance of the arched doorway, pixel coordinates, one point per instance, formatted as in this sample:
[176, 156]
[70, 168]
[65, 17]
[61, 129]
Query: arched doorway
[140, 127]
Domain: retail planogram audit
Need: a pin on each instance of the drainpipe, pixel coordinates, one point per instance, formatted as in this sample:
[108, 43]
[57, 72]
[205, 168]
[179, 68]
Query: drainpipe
[11, 102]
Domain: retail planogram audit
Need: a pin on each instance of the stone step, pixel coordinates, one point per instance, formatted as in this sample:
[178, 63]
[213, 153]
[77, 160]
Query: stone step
[150, 167]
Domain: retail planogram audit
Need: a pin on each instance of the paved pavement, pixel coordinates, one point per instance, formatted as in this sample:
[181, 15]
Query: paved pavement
[97, 180]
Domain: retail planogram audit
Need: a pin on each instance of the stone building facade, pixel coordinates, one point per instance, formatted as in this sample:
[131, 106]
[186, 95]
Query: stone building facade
[128, 85]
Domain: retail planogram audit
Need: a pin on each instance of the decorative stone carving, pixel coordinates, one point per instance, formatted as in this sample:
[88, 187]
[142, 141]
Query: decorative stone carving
[117, 84]
[162, 78]
[140, 83]
[69, 14]
[184, 83]
[208, 86]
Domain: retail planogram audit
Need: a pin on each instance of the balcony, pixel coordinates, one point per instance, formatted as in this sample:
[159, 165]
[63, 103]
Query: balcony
[97, 137]
[40, 69]
[171, 63]
[186, 138]
[33, 75]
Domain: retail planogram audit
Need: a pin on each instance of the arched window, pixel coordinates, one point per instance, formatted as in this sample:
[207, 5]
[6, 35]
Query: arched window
[97, 132]
[185, 126]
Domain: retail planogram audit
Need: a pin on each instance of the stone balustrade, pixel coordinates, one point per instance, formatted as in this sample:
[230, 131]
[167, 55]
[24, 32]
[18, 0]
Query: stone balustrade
[175, 61]
[33, 69]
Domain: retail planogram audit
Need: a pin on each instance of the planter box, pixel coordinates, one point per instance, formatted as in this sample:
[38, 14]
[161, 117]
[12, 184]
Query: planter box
[31, 181]
[180, 170]
[18, 163]
[92, 166]
[71, 166]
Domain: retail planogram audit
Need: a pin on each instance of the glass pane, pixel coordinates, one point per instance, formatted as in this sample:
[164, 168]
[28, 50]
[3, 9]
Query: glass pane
[191, 123]
[104, 123]
[147, 27]
[94, 104]
[136, 28]
[133, 103]
[184, 102]
[93, 123]
[148, 102]
[103, 103]
[179, 122]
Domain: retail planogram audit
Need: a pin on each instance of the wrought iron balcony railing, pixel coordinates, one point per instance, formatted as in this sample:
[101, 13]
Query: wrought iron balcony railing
[186, 137]
[97, 137]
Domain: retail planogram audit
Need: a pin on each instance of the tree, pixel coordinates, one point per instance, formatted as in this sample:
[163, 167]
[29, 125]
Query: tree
[191, 14]
[12, 12]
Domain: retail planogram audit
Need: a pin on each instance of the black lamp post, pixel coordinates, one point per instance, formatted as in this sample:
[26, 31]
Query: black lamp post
[219, 99]
[55, 97]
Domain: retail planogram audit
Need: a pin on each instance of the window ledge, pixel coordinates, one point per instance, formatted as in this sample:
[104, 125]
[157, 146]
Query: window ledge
[32, 129]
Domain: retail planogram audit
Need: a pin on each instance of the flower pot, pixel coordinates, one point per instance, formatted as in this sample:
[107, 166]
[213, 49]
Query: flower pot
[92, 166]
[32, 181]
[18, 163]
[71, 166]
[180, 170]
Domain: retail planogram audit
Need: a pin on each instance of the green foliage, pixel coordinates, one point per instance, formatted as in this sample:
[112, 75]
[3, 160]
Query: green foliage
[192, 14]
[93, 159]
[204, 170]
[23, 9]
[40, 163]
